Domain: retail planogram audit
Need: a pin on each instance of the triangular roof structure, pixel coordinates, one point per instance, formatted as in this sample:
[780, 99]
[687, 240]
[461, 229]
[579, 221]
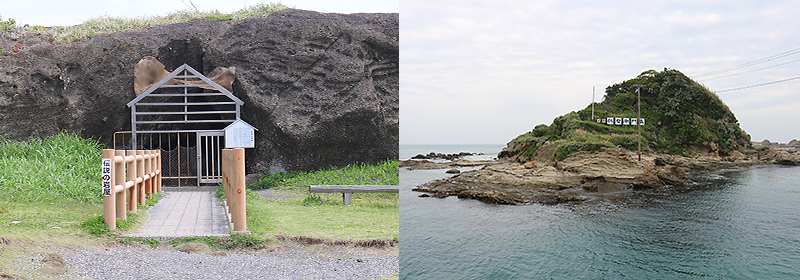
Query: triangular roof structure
[237, 122]
[195, 74]
[184, 101]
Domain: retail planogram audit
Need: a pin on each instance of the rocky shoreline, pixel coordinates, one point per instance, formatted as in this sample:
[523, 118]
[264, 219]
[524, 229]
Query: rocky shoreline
[545, 180]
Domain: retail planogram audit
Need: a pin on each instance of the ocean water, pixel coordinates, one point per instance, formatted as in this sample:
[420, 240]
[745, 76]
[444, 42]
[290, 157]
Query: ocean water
[736, 225]
[488, 151]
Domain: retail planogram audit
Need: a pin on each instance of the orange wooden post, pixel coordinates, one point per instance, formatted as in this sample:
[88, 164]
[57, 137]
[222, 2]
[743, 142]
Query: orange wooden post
[148, 168]
[159, 171]
[107, 184]
[132, 192]
[158, 167]
[140, 174]
[119, 179]
[226, 163]
[238, 191]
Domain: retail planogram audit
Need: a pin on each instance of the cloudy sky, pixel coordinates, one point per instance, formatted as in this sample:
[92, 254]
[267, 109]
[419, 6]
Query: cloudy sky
[60, 12]
[483, 72]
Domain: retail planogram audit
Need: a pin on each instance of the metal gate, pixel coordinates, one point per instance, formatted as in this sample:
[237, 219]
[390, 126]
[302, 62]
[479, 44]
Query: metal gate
[188, 158]
[209, 146]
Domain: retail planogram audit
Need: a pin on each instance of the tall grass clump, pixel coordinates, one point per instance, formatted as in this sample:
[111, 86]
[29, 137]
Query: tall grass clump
[105, 25]
[60, 167]
[383, 173]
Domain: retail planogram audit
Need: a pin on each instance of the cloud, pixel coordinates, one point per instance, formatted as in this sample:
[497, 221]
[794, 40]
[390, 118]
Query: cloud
[501, 67]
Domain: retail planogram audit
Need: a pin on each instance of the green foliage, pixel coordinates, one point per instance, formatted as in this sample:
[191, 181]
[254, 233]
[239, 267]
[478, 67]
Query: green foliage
[62, 166]
[679, 112]
[384, 173]
[564, 150]
[7, 24]
[138, 240]
[96, 225]
[105, 25]
[541, 130]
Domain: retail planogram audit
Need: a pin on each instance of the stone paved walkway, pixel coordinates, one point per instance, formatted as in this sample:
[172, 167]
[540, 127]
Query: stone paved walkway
[185, 212]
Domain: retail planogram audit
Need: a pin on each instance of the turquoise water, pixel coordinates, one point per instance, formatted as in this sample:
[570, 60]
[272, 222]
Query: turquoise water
[739, 225]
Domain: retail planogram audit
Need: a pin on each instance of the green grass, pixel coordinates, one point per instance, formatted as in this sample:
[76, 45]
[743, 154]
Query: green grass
[62, 167]
[370, 216]
[384, 173]
[104, 25]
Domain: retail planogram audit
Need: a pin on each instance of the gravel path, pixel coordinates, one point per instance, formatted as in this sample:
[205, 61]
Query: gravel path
[131, 262]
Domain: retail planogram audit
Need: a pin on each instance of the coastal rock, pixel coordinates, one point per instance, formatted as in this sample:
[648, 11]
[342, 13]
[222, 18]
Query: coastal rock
[503, 153]
[647, 180]
[556, 198]
[787, 159]
[492, 197]
[515, 148]
[434, 155]
[529, 165]
[545, 153]
[453, 171]
[584, 174]
[419, 164]
[672, 175]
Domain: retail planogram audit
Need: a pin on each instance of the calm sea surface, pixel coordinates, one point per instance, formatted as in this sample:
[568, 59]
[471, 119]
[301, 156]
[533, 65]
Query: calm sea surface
[737, 225]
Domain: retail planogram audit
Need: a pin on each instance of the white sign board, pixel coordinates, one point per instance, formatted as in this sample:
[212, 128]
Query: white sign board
[618, 121]
[609, 121]
[239, 134]
[626, 121]
[641, 121]
[633, 121]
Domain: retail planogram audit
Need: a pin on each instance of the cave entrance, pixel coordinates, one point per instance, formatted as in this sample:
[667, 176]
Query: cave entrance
[185, 116]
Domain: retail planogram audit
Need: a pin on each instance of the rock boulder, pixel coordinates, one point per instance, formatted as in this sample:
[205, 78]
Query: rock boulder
[322, 89]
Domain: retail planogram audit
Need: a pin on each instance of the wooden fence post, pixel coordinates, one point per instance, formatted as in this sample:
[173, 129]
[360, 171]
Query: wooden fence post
[132, 192]
[225, 155]
[238, 191]
[140, 169]
[158, 168]
[108, 186]
[119, 179]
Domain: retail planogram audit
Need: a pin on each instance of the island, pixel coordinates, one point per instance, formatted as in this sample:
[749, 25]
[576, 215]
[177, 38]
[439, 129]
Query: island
[648, 132]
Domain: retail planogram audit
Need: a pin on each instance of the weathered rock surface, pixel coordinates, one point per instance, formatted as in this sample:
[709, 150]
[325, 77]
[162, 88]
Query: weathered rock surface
[322, 89]
[426, 164]
[435, 155]
[582, 173]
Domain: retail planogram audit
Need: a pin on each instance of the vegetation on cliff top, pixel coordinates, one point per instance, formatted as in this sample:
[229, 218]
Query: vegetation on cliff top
[105, 25]
[679, 114]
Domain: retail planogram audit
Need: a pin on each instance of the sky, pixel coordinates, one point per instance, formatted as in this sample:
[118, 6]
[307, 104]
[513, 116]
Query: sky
[484, 72]
[65, 13]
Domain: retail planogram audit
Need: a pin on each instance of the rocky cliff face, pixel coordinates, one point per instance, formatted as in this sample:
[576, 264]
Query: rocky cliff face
[322, 89]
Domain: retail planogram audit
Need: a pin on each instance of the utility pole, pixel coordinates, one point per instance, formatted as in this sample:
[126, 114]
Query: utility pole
[639, 120]
[592, 103]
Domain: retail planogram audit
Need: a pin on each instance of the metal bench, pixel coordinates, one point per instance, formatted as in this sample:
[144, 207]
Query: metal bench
[348, 190]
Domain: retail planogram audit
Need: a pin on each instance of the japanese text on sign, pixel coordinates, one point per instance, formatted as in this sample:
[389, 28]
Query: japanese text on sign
[105, 174]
